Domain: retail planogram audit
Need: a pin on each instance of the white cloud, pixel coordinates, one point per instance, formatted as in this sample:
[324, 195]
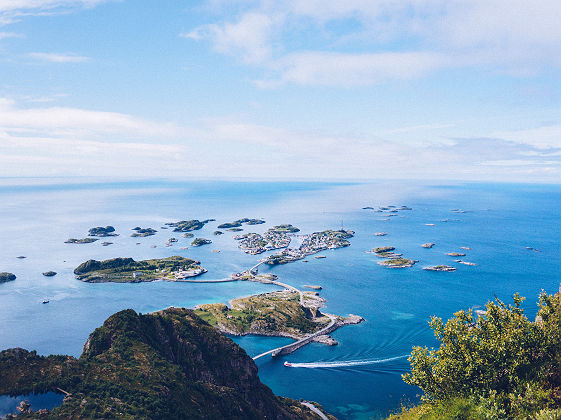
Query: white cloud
[5, 35]
[517, 37]
[339, 69]
[59, 58]
[69, 122]
[547, 137]
[13, 10]
[248, 38]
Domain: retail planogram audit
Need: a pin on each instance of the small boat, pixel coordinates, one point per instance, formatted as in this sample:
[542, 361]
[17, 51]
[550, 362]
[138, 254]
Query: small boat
[45, 301]
[288, 364]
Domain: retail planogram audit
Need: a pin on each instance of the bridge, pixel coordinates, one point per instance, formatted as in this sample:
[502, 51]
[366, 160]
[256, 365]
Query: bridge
[289, 348]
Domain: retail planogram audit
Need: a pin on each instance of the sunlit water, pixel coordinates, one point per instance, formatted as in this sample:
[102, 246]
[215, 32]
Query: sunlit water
[358, 379]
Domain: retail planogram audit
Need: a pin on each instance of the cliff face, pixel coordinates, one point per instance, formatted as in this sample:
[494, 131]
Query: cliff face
[169, 364]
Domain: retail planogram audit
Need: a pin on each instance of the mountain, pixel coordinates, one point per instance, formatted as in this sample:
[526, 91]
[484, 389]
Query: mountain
[165, 365]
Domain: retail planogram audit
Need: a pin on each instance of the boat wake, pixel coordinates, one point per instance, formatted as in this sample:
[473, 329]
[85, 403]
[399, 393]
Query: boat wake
[347, 363]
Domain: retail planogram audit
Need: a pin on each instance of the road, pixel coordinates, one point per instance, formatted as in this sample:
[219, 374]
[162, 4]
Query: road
[289, 348]
[315, 410]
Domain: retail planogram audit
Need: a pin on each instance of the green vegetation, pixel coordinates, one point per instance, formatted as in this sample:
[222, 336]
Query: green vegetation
[188, 225]
[142, 232]
[166, 365]
[284, 229]
[6, 277]
[200, 241]
[218, 232]
[127, 270]
[102, 231]
[384, 249]
[493, 366]
[80, 241]
[276, 313]
[397, 263]
[239, 222]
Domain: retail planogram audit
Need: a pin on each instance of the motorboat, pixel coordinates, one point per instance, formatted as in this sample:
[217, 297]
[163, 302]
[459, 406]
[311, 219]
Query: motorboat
[45, 301]
[288, 364]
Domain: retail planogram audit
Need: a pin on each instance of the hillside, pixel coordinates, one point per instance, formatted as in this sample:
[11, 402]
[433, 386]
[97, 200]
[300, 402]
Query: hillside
[165, 365]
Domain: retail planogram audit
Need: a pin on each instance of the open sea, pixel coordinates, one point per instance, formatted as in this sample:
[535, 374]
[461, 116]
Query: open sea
[358, 379]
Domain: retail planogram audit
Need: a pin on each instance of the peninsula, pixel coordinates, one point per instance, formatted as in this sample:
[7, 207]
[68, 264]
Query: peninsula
[127, 270]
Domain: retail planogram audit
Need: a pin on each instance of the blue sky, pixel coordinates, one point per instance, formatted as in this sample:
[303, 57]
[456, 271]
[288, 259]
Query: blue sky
[331, 89]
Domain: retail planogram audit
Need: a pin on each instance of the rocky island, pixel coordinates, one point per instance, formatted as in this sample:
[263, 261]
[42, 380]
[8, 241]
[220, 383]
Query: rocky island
[398, 263]
[49, 273]
[6, 277]
[456, 254]
[285, 229]
[428, 245]
[440, 268]
[102, 231]
[127, 270]
[240, 222]
[165, 365]
[188, 225]
[80, 241]
[143, 232]
[200, 242]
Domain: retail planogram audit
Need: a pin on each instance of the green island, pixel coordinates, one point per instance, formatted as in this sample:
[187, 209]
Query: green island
[397, 263]
[49, 273]
[102, 231]
[285, 229]
[495, 364]
[80, 241]
[240, 222]
[386, 252]
[312, 244]
[235, 229]
[285, 313]
[200, 242]
[188, 225]
[143, 232]
[188, 235]
[217, 232]
[6, 277]
[127, 270]
[277, 313]
[165, 365]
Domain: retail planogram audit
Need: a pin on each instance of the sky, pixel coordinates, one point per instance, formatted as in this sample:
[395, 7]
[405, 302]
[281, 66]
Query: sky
[287, 89]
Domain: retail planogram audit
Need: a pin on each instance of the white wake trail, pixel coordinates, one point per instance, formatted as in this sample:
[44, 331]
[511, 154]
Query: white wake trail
[346, 363]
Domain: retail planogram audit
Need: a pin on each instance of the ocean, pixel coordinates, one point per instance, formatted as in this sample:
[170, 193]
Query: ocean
[358, 379]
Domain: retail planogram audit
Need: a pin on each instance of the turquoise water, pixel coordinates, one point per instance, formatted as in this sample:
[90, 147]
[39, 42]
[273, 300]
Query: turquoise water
[35, 220]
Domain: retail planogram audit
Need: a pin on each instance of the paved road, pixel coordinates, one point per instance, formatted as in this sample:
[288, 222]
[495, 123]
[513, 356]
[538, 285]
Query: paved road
[315, 410]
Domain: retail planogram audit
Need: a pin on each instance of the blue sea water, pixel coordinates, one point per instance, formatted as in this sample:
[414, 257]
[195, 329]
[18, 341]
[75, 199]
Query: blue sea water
[501, 220]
